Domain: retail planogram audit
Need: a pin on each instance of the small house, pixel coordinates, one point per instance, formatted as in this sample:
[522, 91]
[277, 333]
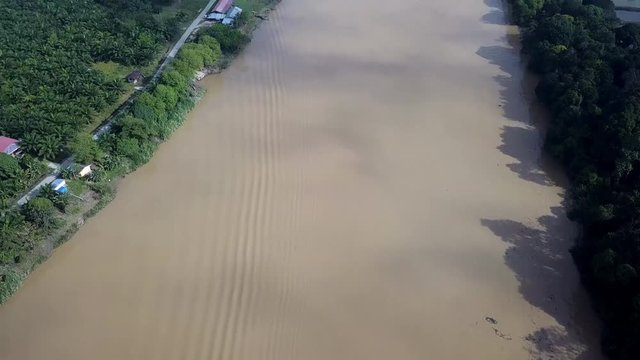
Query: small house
[9, 146]
[135, 77]
[224, 12]
[223, 6]
[231, 16]
[216, 16]
[234, 12]
[85, 171]
[60, 186]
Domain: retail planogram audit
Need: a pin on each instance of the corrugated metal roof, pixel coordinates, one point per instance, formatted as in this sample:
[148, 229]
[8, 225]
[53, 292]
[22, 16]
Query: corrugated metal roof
[58, 182]
[234, 12]
[8, 145]
[222, 6]
[136, 75]
[215, 16]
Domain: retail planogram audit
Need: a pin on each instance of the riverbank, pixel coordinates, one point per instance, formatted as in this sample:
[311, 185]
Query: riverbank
[100, 188]
[330, 198]
[585, 59]
[107, 68]
[628, 8]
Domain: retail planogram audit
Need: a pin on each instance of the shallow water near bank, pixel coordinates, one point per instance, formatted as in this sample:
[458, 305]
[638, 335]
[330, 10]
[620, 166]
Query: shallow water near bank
[627, 3]
[364, 182]
[628, 16]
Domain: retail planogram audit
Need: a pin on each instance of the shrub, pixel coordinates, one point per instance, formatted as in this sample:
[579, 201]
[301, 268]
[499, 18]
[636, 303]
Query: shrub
[231, 40]
[85, 149]
[9, 167]
[41, 212]
[60, 201]
[10, 281]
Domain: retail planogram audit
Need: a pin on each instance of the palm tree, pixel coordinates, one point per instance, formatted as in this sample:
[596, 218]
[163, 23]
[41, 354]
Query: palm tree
[48, 146]
[29, 143]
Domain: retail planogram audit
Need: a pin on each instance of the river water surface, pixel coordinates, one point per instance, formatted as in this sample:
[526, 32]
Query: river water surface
[364, 182]
[627, 3]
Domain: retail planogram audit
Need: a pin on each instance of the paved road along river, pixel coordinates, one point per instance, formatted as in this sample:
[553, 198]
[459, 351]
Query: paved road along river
[364, 182]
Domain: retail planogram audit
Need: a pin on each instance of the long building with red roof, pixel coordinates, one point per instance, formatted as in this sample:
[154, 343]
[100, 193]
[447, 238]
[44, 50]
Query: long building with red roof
[8, 145]
[222, 6]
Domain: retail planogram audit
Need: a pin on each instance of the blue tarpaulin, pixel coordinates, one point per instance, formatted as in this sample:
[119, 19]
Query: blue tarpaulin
[60, 186]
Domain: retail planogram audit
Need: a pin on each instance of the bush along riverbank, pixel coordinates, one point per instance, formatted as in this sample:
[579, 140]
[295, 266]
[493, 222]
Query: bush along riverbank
[28, 235]
[589, 67]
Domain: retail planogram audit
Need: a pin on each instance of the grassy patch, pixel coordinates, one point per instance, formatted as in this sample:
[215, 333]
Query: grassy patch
[113, 70]
[98, 118]
[117, 71]
[66, 235]
[253, 5]
[10, 281]
[76, 187]
[190, 7]
[248, 9]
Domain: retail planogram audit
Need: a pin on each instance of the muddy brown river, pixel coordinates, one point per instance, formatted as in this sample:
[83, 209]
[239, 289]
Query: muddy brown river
[364, 182]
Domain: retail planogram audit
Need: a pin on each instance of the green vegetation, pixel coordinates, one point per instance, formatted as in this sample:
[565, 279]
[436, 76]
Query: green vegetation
[155, 114]
[58, 200]
[589, 68]
[85, 149]
[76, 186]
[9, 283]
[180, 9]
[62, 66]
[231, 40]
[16, 175]
[113, 70]
[246, 20]
[50, 54]
[41, 212]
[17, 238]
[134, 137]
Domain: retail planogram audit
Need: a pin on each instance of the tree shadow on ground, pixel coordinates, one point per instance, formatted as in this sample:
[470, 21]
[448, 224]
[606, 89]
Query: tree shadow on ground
[538, 251]
[523, 140]
[538, 254]
[555, 343]
[497, 15]
[495, 4]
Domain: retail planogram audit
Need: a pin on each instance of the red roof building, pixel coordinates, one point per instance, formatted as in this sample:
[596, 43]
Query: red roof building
[222, 6]
[8, 145]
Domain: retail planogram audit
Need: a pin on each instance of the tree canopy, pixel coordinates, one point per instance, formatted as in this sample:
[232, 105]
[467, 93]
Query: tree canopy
[50, 90]
[589, 68]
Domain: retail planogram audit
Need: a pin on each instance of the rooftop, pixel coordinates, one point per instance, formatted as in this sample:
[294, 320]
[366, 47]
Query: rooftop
[222, 6]
[136, 75]
[8, 145]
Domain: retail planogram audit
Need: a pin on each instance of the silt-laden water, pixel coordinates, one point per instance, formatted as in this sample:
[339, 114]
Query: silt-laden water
[364, 182]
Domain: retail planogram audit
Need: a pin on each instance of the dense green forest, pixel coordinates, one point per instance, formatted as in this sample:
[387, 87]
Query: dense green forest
[589, 68]
[49, 89]
[49, 92]
[155, 114]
